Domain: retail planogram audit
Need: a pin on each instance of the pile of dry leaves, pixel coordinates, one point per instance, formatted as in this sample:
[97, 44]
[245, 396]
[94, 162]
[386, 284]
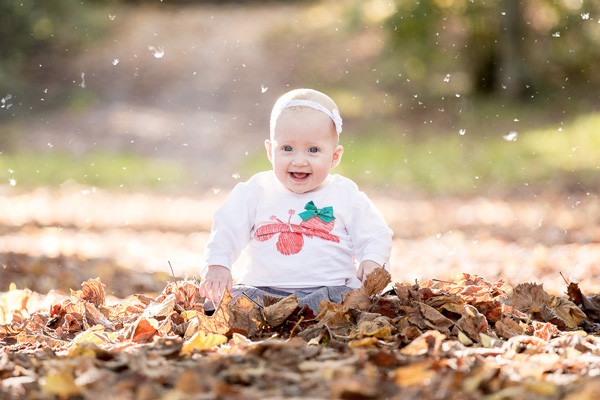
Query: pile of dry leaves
[466, 339]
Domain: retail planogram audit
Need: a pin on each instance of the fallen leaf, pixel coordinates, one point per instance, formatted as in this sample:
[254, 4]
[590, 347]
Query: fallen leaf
[590, 305]
[364, 343]
[418, 373]
[277, 313]
[378, 327]
[568, 312]
[472, 323]
[508, 328]
[13, 305]
[354, 388]
[433, 319]
[92, 291]
[60, 383]
[160, 309]
[532, 299]
[376, 281]
[201, 341]
[357, 299]
[245, 317]
[144, 330]
[428, 343]
[219, 321]
[544, 331]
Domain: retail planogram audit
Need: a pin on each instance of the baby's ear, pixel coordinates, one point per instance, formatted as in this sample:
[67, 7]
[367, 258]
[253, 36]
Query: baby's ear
[269, 147]
[337, 156]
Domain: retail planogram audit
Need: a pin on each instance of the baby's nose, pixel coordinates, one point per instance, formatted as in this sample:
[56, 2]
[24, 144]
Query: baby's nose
[299, 160]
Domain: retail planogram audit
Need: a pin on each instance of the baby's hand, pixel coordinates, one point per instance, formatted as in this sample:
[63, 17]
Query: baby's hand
[217, 279]
[365, 268]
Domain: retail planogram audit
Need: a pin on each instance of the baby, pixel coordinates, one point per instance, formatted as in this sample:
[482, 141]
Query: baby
[302, 228]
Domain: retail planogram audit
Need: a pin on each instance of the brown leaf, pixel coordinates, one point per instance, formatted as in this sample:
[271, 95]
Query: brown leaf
[376, 281]
[472, 323]
[244, 317]
[590, 305]
[94, 317]
[187, 295]
[357, 299]
[428, 343]
[568, 312]
[375, 326]
[434, 319]
[532, 299]
[277, 313]
[219, 321]
[446, 302]
[92, 291]
[508, 328]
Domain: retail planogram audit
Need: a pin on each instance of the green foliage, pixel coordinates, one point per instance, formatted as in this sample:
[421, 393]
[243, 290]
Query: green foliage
[95, 169]
[29, 27]
[507, 47]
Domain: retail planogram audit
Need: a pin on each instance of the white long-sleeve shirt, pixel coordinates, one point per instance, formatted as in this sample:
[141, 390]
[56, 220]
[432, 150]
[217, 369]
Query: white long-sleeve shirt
[286, 252]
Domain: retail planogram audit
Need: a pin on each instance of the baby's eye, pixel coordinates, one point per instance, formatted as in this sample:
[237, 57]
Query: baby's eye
[286, 148]
[313, 150]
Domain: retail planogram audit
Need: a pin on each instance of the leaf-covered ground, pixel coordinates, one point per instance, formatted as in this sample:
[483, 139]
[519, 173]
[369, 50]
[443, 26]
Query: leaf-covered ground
[465, 339]
[489, 298]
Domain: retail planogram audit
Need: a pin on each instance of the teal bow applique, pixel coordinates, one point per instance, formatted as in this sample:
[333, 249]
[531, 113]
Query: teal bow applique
[325, 213]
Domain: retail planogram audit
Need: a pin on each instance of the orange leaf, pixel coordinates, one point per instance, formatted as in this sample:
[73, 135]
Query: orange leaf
[144, 330]
[92, 291]
[219, 321]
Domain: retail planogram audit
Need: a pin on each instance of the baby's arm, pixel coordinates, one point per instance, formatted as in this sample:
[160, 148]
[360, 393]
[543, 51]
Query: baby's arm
[230, 233]
[371, 236]
[218, 278]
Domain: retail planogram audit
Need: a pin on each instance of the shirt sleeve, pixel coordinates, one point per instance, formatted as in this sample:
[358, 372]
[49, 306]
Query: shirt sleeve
[370, 234]
[230, 232]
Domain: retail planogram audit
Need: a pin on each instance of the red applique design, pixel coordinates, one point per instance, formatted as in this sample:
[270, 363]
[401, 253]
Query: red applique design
[291, 236]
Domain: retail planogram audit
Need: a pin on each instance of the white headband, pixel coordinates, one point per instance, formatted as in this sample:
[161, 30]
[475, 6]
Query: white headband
[333, 114]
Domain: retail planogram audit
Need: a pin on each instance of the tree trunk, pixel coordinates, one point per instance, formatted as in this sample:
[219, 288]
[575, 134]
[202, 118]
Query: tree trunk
[511, 64]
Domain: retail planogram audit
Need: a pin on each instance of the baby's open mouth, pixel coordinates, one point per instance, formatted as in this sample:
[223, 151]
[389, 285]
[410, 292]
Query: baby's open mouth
[299, 175]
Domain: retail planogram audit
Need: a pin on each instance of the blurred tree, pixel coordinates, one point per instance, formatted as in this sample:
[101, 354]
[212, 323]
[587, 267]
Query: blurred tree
[510, 48]
[29, 28]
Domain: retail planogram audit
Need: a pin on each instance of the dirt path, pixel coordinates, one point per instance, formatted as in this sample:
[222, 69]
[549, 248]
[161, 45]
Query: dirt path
[57, 239]
[193, 84]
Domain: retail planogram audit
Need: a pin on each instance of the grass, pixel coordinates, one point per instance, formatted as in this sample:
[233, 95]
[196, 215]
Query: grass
[453, 163]
[96, 169]
[444, 162]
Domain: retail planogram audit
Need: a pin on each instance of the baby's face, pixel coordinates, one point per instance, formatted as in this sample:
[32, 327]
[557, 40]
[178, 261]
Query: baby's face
[303, 149]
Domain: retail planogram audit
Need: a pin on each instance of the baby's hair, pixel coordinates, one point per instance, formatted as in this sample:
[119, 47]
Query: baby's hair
[300, 94]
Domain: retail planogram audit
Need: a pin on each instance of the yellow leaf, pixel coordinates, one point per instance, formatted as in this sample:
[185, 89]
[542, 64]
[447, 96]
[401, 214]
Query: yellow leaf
[418, 373]
[464, 339]
[80, 344]
[200, 341]
[190, 314]
[60, 383]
